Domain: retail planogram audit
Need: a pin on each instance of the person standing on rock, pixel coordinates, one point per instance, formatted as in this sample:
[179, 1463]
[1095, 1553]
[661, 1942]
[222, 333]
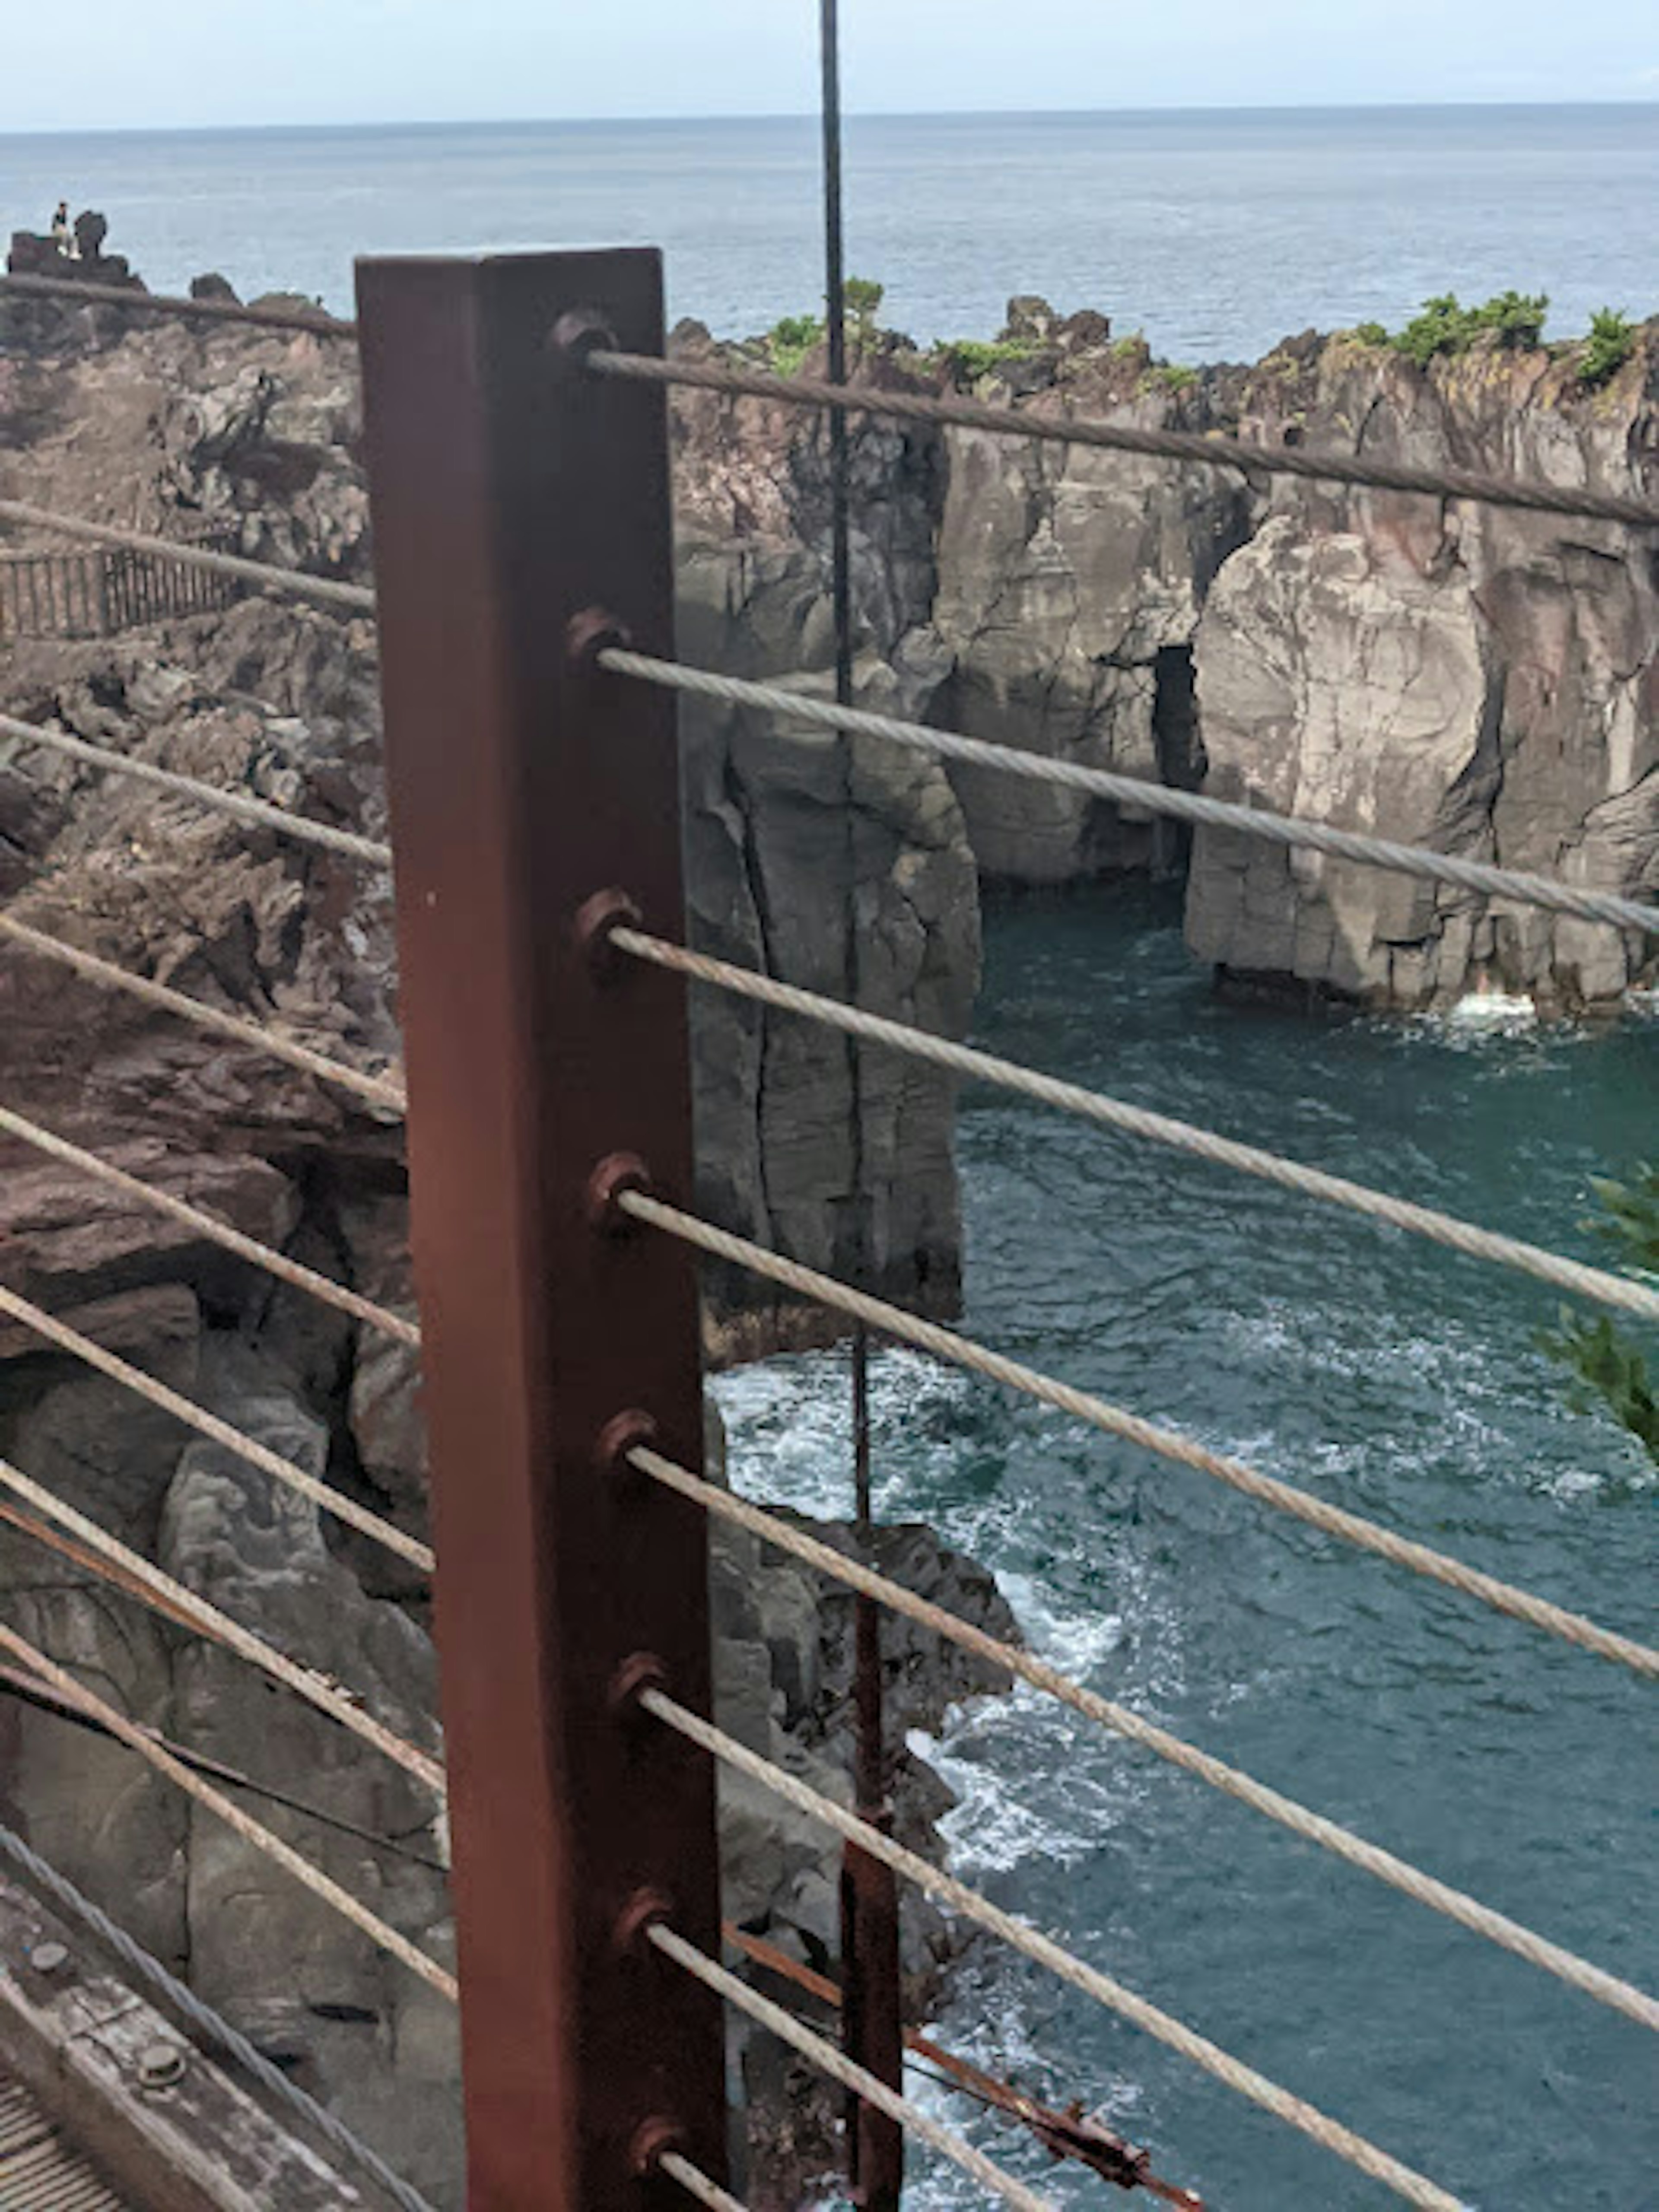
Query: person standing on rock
[62, 236]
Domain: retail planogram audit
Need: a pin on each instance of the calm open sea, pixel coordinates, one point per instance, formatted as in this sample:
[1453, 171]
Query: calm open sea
[1385, 1375]
[1217, 231]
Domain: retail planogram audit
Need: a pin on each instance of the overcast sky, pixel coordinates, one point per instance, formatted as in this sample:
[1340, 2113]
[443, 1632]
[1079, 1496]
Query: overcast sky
[171, 63]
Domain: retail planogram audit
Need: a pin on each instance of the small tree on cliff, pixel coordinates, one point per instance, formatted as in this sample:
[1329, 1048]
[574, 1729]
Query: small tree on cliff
[1608, 1366]
[862, 296]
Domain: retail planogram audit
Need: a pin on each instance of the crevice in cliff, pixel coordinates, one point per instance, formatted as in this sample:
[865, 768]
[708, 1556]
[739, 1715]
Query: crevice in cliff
[755, 884]
[1178, 746]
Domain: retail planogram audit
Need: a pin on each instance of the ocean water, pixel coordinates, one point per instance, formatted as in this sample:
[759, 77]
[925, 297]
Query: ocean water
[1384, 1374]
[1215, 231]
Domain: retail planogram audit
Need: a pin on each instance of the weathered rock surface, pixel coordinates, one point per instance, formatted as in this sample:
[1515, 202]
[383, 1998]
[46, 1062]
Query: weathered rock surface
[1478, 680]
[166, 427]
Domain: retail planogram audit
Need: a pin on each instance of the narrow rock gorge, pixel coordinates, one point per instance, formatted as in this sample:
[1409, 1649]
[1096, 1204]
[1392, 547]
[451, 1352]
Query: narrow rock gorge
[1480, 681]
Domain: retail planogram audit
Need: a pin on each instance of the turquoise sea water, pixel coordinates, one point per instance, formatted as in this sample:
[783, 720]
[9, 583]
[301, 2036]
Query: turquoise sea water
[1384, 1374]
[1217, 231]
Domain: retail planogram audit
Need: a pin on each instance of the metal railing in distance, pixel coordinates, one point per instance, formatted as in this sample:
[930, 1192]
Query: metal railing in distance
[510, 493]
[263, 575]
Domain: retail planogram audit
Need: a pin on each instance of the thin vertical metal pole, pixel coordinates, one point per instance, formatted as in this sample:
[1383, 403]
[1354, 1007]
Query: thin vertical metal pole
[512, 494]
[872, 2018]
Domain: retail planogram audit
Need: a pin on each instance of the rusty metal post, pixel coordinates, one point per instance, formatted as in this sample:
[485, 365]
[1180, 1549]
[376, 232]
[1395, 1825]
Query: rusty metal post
[512, 494]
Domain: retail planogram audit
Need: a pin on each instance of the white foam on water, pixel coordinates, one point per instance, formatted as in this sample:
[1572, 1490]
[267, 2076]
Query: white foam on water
[1505, 1011]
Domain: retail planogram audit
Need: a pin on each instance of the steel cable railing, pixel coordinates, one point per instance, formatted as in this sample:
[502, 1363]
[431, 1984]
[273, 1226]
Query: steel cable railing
[1620, 1292]
[1204, 449]
[697, 2183]
[307, 322]
[839, 2067]
[1624, 913]
[1042, 1950]
[160, 1590]
[1398, 1874]
[253, 813]
[209, 1226]
[211, 2027]
[287, 1471]
[1420, 860]
[384, 1090]
[1082, 1405]
[380, 1933]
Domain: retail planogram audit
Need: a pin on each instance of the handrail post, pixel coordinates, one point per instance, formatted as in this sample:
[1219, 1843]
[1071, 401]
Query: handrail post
[514, 496]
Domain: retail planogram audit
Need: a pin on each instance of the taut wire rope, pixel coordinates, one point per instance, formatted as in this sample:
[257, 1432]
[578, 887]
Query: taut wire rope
[1497, 1927]
[309, 322]
[1042, 1950]
[1114, 1420]
[207, 2023]
[383, 1091]
[789, 706]
[385, 1938]
[1624, 1292]
[162, 1591]
[262, 575]
[255, 813]
[1204, 448]
[320, 1494]
[208, 1225]
[839, 2067]
[695, 2183]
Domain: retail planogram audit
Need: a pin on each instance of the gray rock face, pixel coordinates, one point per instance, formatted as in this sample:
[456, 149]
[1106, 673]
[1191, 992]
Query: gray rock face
[847, 1169]
[1480, 681]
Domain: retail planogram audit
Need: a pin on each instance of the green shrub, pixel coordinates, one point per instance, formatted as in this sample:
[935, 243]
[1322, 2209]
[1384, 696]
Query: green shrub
[1516, 317]
[968, 359]
[1445, 327]
[1170, 376]
[790, 339]
[1609, 1367]
[1372, 334]
[1133, 348]
[1610, 344]
[861, 296]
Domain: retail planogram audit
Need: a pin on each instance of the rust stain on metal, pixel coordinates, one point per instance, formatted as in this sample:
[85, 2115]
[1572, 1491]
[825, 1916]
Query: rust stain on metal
[1071, 2134]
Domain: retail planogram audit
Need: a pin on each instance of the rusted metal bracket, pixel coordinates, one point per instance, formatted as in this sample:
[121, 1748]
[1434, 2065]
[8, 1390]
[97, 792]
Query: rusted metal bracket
[1070, 2134]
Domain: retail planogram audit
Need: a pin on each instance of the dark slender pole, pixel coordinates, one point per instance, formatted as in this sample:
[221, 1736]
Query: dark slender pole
[519, 505]
[873, 2025]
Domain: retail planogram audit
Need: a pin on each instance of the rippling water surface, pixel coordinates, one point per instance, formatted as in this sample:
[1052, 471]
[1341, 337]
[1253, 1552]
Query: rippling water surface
[1217, 230]
[1388, 1376]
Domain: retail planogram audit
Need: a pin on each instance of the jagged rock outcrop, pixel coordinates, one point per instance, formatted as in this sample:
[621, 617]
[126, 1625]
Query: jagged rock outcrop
[1462, 676]
[155, 426]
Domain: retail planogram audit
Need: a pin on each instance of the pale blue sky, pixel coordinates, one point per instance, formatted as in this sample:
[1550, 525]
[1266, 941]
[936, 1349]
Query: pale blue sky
[172, 63]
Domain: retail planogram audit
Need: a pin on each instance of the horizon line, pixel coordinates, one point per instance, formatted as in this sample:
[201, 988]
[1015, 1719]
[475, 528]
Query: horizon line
[809, 115]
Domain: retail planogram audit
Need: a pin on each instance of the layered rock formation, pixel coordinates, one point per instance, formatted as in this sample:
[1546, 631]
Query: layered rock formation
[152, 426]
[1477, 680]
[1444, 673]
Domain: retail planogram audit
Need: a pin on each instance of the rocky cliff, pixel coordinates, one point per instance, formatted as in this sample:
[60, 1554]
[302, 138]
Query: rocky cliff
[1437, 673]
[1480, 681]
[166, 428]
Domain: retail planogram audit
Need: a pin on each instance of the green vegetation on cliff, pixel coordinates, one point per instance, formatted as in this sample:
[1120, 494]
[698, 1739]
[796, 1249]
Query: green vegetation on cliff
[1516, 321]
[1609, 1367]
